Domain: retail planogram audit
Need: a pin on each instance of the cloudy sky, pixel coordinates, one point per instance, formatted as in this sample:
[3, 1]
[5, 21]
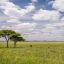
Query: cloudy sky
[35, 19]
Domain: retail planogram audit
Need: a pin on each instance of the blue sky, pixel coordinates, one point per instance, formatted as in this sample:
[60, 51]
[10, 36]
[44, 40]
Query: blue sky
[39, 4]
[37, 20]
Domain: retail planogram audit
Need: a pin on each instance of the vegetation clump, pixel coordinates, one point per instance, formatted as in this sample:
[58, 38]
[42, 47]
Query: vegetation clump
[11, 35]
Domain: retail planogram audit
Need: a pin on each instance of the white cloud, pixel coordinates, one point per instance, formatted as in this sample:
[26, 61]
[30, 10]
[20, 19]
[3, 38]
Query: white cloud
[15, 15]
[56, 29]
[19, 27]
[12, 15]
[48, 29]
[50, 2]
[58, 5]
[5, 27]
[15, 21]
[25, 26]
[34, 1]
[13, 11]
[3, 18]
[62, 19]
[46, 15]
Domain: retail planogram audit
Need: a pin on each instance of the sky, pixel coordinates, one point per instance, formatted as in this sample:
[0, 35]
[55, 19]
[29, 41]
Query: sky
[36, 20]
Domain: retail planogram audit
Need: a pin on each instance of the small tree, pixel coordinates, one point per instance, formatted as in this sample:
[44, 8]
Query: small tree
[16, 38]
[6, 34]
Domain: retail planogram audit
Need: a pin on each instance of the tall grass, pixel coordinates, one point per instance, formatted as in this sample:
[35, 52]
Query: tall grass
[39, 53]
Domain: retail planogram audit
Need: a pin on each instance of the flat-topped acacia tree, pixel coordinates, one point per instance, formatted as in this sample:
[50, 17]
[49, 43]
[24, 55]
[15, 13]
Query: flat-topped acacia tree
[7, 34]
[16, 38]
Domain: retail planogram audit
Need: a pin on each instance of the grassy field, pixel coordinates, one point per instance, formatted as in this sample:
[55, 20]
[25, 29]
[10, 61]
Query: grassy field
[39, 53]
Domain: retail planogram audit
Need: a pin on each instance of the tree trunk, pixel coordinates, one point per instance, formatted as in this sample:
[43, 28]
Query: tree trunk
[14, 44]
[7, 44]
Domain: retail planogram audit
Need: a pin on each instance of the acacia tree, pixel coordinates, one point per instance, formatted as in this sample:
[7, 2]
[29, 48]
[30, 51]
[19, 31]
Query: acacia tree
[7, 34]
[17, 38]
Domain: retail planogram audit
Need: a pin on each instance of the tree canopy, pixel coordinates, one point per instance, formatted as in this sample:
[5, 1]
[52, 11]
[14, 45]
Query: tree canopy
[10, 35]
[17, 38]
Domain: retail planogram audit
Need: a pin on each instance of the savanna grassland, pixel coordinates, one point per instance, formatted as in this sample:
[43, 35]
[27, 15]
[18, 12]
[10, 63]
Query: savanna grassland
[32, 53]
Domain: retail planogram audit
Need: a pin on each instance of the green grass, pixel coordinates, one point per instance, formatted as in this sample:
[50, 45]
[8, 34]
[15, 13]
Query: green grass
[39, 53]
